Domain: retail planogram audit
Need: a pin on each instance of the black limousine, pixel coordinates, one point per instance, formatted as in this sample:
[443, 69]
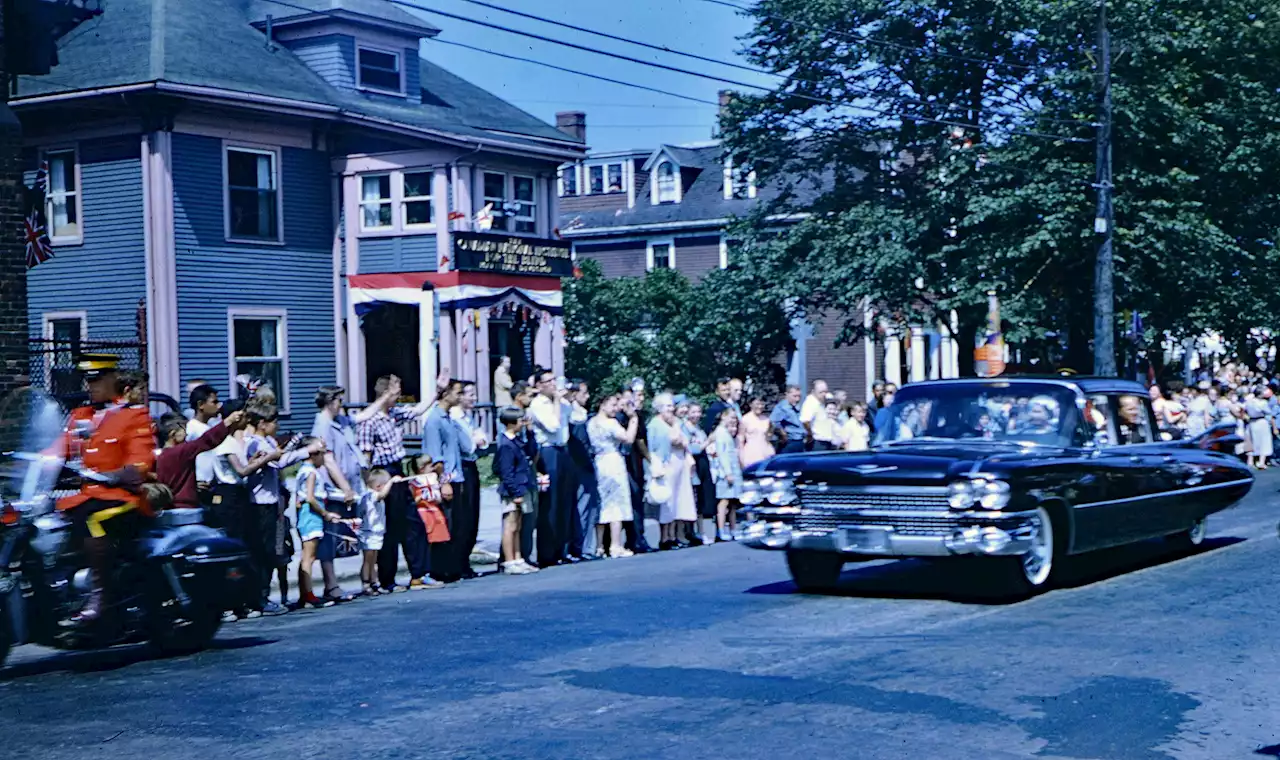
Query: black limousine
[1020, 472]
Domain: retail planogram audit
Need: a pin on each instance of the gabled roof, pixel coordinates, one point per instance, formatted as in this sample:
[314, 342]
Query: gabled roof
[685, 158]
[375, 12]
[212, 44]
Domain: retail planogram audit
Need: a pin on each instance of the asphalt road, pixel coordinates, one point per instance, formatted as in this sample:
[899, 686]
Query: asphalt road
[711, 653]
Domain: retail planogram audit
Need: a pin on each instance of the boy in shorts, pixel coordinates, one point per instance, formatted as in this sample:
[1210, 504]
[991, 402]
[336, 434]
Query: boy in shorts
[517, 490]
[373, 526]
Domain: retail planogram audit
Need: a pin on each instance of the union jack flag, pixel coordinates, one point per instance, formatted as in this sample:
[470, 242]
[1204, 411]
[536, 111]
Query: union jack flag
[39, 247]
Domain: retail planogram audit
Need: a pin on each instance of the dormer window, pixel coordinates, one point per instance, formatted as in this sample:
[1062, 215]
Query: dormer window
[380, 70]
[739, 181]
[667, 183]
[605, 178]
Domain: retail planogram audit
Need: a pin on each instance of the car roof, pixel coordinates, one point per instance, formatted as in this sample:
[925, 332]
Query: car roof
[1085, 384]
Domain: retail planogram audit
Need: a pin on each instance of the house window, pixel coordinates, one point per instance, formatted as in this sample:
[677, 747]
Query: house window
[668, 192]
[417, 199]
[379, 70]
[495, 192]
[615, 178]
[258, 339]
[660, 256]
[253, 198]
[568, 180]
[596, 185]
[375, 202]
[741, 181]
[605, 178]
[526, 211]
[62, 198]
[63, 333]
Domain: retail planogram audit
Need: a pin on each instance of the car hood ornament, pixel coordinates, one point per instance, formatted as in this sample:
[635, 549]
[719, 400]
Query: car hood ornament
[870, 469]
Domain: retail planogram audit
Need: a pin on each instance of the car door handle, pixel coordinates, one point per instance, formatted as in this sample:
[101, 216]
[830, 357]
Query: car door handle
[1135, 458]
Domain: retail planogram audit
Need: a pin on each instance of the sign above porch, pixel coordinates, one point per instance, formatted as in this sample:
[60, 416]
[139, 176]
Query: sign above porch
[510, 254]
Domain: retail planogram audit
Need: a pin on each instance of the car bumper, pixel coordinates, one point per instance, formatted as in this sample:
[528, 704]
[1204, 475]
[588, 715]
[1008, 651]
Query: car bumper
[991, 534]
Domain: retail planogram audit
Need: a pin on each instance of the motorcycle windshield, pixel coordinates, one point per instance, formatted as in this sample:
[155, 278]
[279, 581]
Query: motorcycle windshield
[31, 447]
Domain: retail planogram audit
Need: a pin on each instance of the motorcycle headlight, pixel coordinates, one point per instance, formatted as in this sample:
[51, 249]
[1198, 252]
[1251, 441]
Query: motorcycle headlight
[960, 494]
[991, 494]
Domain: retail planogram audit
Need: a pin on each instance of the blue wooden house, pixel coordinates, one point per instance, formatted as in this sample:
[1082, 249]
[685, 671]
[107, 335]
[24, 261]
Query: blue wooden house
[273, 183]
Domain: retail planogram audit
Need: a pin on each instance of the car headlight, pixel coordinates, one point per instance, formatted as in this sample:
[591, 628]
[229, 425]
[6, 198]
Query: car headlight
[783, 493]
[991, 494]
[751, 496]
[960, 494]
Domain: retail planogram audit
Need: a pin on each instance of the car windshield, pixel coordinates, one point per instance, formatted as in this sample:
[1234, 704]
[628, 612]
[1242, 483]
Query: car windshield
[1025, 413]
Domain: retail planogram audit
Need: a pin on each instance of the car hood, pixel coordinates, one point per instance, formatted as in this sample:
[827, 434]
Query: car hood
[904, 464]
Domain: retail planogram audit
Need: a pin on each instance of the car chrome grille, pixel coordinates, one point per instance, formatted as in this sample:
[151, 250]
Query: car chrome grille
[903, 526]
[881, 499]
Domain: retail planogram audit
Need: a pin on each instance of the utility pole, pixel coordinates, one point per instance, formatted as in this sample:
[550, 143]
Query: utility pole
[1104, 285]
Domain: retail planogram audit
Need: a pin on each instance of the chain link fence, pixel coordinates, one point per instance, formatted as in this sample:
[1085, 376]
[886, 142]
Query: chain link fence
[53, 360]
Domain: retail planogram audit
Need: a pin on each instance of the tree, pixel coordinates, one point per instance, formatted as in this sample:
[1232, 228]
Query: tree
[891, 198]
[672, 334]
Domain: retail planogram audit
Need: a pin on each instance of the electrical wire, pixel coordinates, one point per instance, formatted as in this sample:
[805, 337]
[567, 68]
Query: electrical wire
[722, 62]
[872, 41]
[569, 71]
[711, 77]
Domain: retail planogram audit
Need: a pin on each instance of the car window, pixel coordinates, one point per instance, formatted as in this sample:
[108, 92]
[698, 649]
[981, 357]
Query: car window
[1132, 419]
[1099, 420]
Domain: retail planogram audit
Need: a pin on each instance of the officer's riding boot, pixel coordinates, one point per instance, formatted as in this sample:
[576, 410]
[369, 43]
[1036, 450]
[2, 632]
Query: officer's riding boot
[97, 551]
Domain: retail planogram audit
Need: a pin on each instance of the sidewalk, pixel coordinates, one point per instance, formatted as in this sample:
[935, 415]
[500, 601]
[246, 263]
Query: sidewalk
[489, 538]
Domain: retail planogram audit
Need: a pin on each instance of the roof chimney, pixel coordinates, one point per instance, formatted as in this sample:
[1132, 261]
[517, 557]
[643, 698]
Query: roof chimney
[573, 124]
[726, 97]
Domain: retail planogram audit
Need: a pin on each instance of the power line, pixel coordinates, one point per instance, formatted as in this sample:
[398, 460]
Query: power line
[701, 75]
[872, 41]
[720, 61]
[567, 70]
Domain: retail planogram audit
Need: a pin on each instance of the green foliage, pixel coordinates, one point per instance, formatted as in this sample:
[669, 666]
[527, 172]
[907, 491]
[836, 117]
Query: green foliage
[673, 334]
[889, 200]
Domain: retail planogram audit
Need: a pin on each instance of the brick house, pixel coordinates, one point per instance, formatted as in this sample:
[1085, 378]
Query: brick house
[277, 186]
[670, 206]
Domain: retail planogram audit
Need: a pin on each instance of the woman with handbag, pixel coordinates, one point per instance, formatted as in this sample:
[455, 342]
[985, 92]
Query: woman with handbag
[669, 484]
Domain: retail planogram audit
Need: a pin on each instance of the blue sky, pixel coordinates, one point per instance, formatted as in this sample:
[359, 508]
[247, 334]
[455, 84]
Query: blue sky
[617, 117]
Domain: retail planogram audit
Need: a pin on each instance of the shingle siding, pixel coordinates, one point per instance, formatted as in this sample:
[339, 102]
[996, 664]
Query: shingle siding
[104, 276]
[570, 204]
[844, 368]
[616, 259]
[213, 275]
[409, 253]
[695, 256]
[332, 56]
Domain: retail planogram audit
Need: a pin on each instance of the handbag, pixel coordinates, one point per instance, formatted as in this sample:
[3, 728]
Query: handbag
[657, 490]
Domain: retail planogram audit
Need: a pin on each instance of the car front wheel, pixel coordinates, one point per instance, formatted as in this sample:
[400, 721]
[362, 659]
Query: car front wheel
[1031, 573]
[1192, 537]
[814, 571]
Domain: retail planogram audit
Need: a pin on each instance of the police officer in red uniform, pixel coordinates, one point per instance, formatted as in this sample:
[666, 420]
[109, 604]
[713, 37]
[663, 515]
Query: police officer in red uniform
[115, 439]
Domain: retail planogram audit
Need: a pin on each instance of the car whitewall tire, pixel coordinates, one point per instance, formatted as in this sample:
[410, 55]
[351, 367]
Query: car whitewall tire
[1037, 564]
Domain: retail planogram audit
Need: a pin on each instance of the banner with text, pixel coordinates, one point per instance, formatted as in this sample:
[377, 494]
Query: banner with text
[510, 254]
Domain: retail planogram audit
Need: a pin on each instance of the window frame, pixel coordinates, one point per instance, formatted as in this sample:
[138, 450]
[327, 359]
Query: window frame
[572, 171]
[282, 344]
[649, 260]
[400, 204]
[46, 330]
[389, 201]
[77, 194]
[400, 67]
[499, 204]
[520, 216]
[263, 150]
[675, 179]
[604, 166]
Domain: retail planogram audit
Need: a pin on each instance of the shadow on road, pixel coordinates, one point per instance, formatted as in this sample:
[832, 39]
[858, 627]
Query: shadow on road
[103, 660]
[963, 581]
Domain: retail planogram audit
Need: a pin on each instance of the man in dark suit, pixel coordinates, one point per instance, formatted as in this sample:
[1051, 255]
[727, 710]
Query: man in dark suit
[711, 419]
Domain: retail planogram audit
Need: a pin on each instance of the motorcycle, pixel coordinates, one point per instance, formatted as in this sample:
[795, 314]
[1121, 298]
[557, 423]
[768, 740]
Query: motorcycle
[171, 582]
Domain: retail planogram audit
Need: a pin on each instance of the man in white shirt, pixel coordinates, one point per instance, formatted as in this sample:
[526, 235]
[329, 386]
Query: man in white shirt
[550, 421]
[813, 405]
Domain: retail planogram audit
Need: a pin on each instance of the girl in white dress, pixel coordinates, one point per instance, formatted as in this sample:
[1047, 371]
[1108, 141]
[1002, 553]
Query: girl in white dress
[606, 437]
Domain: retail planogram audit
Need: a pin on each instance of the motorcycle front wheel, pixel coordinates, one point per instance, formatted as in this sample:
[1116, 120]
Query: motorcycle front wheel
[187, 633]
